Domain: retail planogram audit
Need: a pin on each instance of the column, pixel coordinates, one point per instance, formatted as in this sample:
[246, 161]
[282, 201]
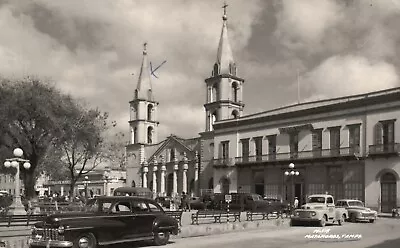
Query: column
[162, 176]
[196, 174]
[154, 177]
[145, 170]
[175, 176]
[62, 190]
[184, 173]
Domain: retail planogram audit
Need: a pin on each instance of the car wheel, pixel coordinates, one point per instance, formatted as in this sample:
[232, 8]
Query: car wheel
[341, 220]
[322, 222]
[87, 240]
[353, 218]
[161, 238]
[371, 221]
[293, 223]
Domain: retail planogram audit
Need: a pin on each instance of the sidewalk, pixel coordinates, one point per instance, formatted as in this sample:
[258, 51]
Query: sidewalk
[387, 215]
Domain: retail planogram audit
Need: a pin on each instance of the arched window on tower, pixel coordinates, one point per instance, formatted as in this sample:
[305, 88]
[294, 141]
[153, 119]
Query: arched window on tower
[216, 70]
[232, 69]
[214, 118]
[149, 94]
[135, 138]
[149, 112]
[235, 114]
[136, 94]
[235, 90]
[214, 93]
[150, 135]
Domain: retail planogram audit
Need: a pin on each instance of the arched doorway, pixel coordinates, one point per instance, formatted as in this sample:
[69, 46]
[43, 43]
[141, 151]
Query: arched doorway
[259, 186]
[170, 181]
[211, 183]
[388, 192]
[224, 183]
[133, 184]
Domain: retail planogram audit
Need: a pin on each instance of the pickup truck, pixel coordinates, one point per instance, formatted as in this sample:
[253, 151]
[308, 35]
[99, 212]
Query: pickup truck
[320, 208]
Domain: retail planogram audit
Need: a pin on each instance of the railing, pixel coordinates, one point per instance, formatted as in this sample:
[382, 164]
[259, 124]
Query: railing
[384, 149]
[313, 154]
[224, 162]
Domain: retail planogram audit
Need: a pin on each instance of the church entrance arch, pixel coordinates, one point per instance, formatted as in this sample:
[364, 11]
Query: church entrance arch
[388, 192]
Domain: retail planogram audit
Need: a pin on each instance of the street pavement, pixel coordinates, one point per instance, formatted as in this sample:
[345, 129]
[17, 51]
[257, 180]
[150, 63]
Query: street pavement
[384, 233]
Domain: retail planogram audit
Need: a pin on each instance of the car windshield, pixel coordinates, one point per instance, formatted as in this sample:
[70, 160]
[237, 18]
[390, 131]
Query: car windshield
[316, 199]
[355, 204]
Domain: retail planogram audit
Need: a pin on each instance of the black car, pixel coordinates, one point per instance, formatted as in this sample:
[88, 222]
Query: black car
[107, 220]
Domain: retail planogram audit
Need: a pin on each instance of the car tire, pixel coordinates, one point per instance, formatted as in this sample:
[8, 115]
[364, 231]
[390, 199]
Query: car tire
[161, 238]
[342, 220]
[371, 221]
[353, 218]
[87, 238]
[322, 222]
[293, 223]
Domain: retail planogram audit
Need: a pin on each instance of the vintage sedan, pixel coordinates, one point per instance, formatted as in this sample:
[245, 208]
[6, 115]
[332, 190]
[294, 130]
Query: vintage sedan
[107, 220]
[357, 210]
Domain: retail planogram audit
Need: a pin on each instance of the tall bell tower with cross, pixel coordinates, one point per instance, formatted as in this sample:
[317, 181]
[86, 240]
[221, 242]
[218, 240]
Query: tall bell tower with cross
[224, 87]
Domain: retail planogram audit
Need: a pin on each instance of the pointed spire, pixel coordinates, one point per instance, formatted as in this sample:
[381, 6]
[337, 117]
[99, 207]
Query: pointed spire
[144, 89]
[224, 55]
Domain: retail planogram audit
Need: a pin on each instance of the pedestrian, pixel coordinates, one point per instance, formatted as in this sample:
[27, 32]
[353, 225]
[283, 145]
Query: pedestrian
[296, 203]
[185, 202]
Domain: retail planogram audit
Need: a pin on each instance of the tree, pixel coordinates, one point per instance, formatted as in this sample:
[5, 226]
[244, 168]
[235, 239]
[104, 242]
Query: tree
[81, 142]
[115, 151]
[30, 113]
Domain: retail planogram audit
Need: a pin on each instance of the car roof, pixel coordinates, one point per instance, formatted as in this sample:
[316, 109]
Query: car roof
[127, 198]
[348, 200]
[320, 195]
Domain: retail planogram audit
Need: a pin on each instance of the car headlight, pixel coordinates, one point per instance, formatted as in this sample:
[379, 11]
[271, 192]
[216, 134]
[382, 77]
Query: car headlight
[61, 229]
[313, 214]
[297, 213]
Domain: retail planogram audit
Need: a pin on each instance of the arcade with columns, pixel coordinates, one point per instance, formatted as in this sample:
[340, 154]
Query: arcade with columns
[171, 178]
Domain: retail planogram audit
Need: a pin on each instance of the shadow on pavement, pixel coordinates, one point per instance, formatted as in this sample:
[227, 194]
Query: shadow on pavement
[387, 244]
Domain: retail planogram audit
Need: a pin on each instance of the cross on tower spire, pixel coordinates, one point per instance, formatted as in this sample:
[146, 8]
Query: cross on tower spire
[224, 7]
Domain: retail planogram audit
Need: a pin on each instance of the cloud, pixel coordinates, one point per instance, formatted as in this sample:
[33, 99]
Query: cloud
[348, 75]
[92, 47]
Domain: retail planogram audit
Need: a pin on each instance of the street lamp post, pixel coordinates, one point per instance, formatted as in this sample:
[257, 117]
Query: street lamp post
[17, 208]
[291, 173]
[86, 183]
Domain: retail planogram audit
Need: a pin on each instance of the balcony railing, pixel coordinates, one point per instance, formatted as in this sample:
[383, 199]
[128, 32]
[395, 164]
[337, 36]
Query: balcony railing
[384, 149]
[313, 154]
[224, 162]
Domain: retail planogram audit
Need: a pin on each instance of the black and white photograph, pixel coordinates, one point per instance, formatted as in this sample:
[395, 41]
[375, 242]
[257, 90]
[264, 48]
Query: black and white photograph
[199, 123]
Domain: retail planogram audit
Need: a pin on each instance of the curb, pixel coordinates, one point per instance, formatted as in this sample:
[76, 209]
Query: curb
[220, 228]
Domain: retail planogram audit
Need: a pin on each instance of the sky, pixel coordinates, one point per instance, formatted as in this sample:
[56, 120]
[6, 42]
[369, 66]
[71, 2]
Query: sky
[91, 48]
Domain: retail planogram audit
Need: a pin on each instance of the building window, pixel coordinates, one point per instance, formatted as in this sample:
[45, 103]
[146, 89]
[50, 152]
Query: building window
[235, 89]
[225, 149]
[354, 138]
[172, 154]
[214, 118]
[317, 142]
[335, 140]
[316, 188]
[149, 112]
[384, 136]
[272, 147]
[245, 149]
[150, 135]
[211, 183]
[258, 147]
[216, 69]
[335, 182]
[294, 144]
[214, 93]
[272, 191]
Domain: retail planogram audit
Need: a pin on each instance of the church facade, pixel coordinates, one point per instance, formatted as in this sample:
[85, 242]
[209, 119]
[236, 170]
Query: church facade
[348, 146]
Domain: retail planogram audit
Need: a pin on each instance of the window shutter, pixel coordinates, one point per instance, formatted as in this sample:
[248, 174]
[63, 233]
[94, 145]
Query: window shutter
[378, 134]
[390, 127]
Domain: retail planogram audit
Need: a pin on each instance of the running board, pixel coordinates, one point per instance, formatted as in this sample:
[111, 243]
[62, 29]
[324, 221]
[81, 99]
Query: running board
[126, 240]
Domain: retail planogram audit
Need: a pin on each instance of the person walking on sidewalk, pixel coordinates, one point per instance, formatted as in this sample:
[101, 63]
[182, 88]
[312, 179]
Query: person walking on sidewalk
[185, 202]
[296, 203]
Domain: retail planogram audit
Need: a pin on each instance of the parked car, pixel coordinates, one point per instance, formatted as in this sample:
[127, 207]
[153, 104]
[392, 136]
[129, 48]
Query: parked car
[277, 206]
[242, 202]
[164, 201]
[106, 220]
[357, 211]
[133, 191]
[198, 203]
[319, 208]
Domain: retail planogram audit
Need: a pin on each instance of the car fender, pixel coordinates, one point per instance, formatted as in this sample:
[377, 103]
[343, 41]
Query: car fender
[165, 222]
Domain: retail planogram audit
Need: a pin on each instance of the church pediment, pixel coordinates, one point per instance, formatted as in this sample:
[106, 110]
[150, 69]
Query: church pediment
[175, 146]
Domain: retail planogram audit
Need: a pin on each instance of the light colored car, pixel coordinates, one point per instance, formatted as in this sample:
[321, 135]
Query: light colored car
[320, 208]
[357, 211]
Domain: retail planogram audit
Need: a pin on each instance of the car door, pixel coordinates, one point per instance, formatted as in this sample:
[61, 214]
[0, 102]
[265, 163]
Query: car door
[144, 218]
[121, 212]
[331, 207]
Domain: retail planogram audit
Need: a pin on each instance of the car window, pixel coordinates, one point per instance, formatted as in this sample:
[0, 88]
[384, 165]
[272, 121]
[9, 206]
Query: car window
[139, 207]
[339, 204]
[329, 200]
[153, 207]
[105, 206]
[121, 207]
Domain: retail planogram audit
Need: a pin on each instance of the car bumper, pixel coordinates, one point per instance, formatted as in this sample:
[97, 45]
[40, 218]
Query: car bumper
[49, 243]
[366, 218]
[295, 218]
